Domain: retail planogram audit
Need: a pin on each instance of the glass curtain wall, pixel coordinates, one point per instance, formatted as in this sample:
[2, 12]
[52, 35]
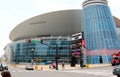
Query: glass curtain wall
[25, 52]
[99, 27]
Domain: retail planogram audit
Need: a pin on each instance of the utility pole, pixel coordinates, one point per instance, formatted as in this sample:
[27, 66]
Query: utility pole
[56, 53]
[32, 51]
[56, 56]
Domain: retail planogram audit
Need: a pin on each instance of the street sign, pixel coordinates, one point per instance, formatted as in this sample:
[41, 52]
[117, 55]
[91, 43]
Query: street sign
[37, 59]
[35, 41]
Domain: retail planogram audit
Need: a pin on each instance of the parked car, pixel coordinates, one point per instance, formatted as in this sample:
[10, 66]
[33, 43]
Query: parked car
[3, 66]
[116, 70]
[48, 62]
[29, 67]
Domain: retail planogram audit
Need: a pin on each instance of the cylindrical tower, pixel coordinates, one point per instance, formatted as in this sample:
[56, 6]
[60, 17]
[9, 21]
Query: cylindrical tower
[98, 25]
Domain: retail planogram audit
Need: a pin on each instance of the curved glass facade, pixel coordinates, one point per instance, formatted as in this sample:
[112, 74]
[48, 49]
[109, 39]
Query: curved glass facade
[99, 30]
[99, 27]
[27, 51]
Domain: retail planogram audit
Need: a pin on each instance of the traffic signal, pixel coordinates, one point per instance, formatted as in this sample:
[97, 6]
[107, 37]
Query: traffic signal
[37, 59]
[57, 57]
[28, 40]
[41, 40]
[83, 35]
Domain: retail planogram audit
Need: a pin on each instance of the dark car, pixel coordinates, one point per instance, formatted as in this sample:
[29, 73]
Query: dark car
[116, 70]
[29, 67]
[3, 67]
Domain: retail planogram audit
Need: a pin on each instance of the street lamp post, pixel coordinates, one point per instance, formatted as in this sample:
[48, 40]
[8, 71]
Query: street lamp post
[56, 56]
[32, 51]
[82, 56]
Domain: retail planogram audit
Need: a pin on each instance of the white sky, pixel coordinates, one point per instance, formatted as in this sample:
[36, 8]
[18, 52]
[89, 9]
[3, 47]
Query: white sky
[13, 12]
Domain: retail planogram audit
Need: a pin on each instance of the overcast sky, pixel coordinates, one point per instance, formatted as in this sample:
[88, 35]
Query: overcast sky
[13, 12]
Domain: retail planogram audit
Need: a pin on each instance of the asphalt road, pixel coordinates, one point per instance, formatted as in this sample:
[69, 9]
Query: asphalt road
[93, 72]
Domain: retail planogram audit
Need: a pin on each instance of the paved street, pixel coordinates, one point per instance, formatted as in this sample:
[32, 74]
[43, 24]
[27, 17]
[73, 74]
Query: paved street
[96, 72]
[92, 72]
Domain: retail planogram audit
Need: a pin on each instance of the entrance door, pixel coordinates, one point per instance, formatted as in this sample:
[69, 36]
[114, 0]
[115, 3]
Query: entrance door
[72, 61]
[100, 59]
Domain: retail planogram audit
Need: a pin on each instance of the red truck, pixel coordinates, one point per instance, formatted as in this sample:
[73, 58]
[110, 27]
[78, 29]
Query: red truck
[115, 60]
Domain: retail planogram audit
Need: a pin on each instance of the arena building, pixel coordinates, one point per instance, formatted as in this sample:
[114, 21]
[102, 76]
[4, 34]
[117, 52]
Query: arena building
[54, 28]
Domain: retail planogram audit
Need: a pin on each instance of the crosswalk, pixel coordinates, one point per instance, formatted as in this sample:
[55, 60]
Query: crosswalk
[98, 72]
[105, 73]
[11, 69]
[24, 71]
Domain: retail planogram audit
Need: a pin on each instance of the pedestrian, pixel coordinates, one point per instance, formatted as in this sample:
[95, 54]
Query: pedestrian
[63, 64]
[50, 66]
[5, 73]
[53, 65]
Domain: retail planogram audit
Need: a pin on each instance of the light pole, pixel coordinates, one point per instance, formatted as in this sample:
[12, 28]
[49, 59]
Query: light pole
[56, 53]
[56, 56]
[32, 51]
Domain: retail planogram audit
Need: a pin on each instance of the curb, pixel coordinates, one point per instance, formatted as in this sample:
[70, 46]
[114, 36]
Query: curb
[46, 67]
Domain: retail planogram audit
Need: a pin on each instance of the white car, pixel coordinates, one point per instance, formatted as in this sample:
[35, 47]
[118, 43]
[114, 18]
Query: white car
[29, 67]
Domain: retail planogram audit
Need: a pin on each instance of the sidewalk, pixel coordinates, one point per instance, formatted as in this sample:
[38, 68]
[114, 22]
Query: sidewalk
[46, 67]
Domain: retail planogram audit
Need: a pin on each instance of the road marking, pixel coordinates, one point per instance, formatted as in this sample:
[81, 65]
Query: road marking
[106, 73]
[113, 76]
[12, 71]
